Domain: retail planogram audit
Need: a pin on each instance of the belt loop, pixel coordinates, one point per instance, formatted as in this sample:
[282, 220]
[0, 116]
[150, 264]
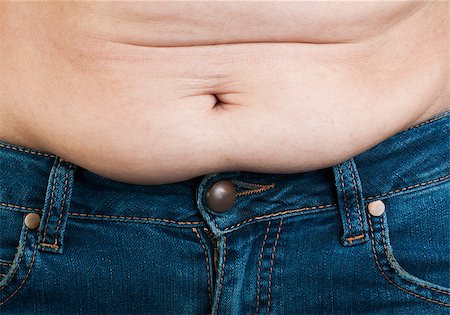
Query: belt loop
[351, 203]
[57, 203]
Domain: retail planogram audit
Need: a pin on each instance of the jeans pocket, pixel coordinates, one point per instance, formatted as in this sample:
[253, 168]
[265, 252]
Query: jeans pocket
[18, 249]
[410, 243]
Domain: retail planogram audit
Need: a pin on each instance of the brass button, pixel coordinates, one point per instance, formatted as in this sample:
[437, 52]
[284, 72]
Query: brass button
[221, 196]
[32, 220]
[376, 208]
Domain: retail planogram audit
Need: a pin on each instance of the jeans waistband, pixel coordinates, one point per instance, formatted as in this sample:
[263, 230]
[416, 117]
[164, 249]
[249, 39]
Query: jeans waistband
[31, 181]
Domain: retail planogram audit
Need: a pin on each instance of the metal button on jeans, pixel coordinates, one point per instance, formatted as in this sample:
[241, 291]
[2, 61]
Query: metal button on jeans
[376, 208]
[32, 220]
[221, 196]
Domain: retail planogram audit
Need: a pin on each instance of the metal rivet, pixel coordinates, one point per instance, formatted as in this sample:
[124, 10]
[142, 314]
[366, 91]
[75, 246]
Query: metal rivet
[32, 220]
[376, 208]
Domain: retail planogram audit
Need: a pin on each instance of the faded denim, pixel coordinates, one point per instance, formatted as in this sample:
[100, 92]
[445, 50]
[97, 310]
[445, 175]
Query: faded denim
[291, 244]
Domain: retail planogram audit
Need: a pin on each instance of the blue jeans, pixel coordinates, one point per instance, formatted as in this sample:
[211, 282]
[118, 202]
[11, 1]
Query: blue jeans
[308, 243]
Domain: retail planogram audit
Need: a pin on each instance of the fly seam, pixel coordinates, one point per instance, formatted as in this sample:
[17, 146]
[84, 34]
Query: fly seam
[272, 259]
[207, 263]
[223, 271]
[258, 281]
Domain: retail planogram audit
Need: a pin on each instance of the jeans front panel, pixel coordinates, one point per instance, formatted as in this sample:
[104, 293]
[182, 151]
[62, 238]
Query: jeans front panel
[117, 267]
[297, 265]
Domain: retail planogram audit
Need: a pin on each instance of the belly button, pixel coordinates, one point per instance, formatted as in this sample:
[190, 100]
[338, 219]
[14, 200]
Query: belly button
[218, 104]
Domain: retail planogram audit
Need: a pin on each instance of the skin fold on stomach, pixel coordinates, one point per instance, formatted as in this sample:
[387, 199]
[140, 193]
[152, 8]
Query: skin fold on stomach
[131, 97]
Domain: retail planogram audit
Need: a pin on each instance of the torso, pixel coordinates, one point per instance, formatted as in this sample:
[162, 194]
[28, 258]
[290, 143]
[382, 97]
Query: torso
[154, 93]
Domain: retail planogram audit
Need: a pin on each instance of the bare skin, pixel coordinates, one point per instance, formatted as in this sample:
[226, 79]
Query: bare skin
[153, 93]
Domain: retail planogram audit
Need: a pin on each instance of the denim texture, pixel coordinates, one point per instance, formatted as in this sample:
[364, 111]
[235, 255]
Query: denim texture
[300, 243]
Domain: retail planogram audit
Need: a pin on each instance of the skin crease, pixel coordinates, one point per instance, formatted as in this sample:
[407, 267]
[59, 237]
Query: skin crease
[137, 93]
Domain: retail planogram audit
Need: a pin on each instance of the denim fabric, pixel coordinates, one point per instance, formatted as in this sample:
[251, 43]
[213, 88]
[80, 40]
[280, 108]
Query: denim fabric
[300, 243]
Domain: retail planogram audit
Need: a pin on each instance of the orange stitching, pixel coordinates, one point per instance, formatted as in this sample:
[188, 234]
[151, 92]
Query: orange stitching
[258, 281]
[223, 272]
[135, 218]
[279, 213]
[5, 263]
[357, 196]
[430, 120]
[20, 260]
[357, 237]
[207, 263]
[283, 212]
[240, 182]
[53, 246]
[261, 188]
[19, 207]
[345, 202]
[391, 281]
[51, 198]
[428, 287]
[410, 281]
[24, 279]
[255, 191]
[272, 259]
[26, 150]
[382, 235]
[66, 179]
[410, 187]
[207, 232]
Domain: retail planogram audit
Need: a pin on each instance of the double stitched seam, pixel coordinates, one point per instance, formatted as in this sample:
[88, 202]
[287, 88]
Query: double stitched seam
[410, 281]
[410, 187]
[357, 197]
[51, 200]
[279, 213]
[388, 279]
[63, 202]
[125, 218]
[26, 150]
[272, 259]
[5, 263]
[345, 200]
[18, 263]
[26, 276]
[223, 272]
[258, 277]
[429, 121]
[19, 207]
[207, 264]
